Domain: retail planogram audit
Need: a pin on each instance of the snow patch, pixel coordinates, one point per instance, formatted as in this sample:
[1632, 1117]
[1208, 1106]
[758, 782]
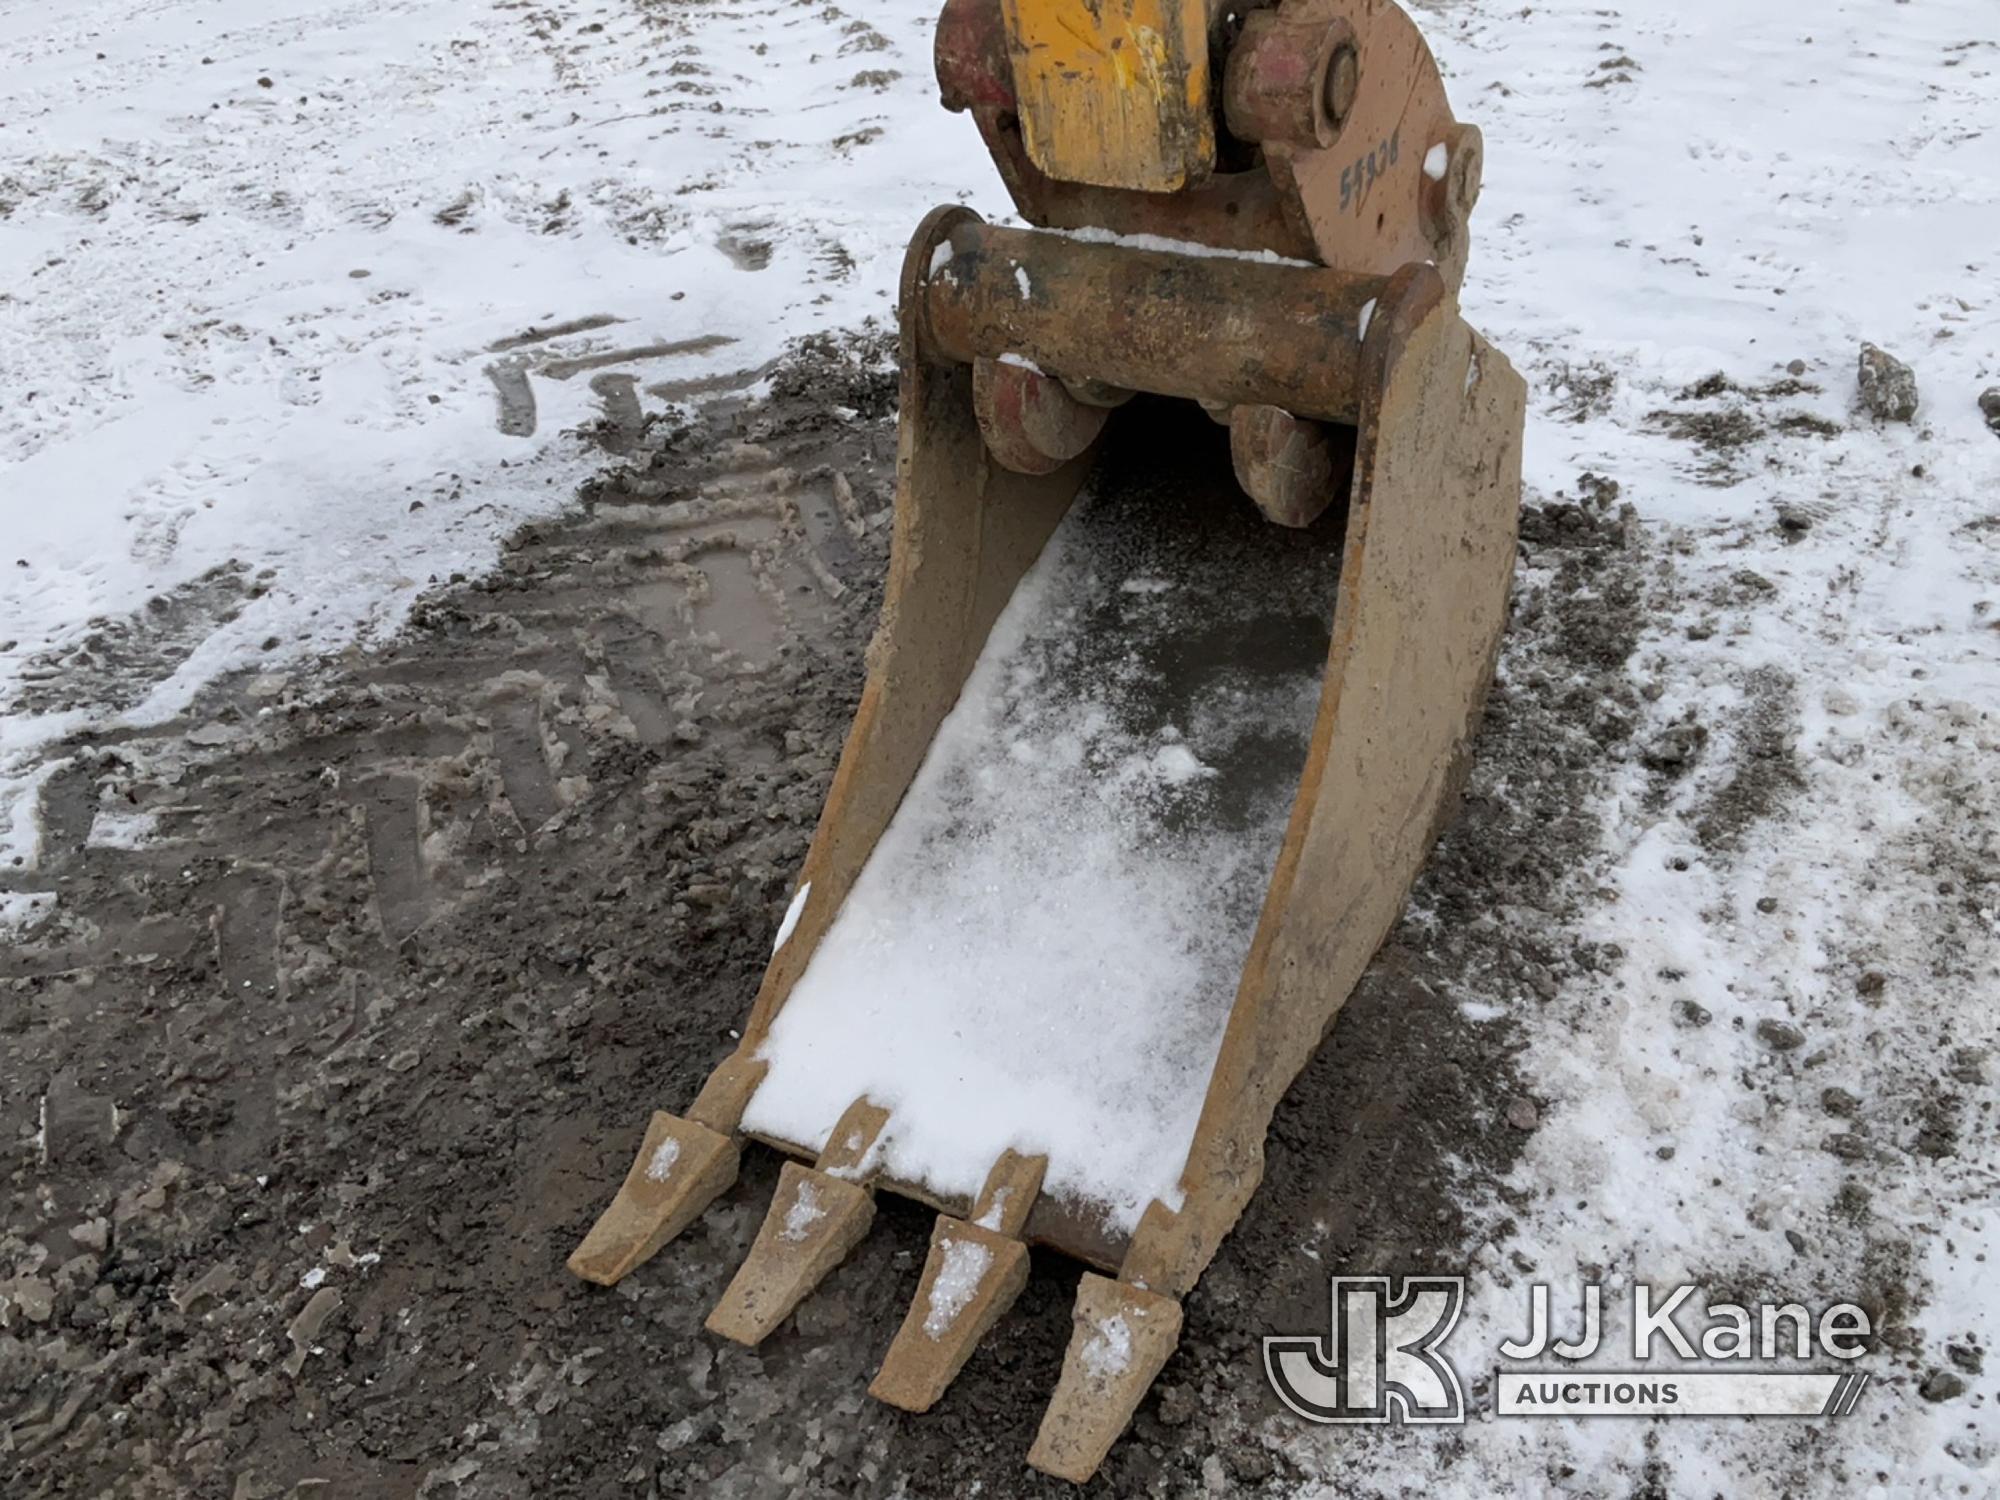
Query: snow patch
[805, 1212]
[1435, 161]
[792, 915]
[1095, 236]
[21, 911]
[867, 1164]
[118, 829]
[664, 1156]
[1176, 765]
[966, 1263]
[1367, 316]
[1107, 1354]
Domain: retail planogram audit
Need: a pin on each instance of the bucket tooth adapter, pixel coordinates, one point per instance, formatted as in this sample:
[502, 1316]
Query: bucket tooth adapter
[1166, 707]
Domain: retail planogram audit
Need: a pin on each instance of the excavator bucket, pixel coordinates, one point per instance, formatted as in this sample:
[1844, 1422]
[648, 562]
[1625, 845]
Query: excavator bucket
[1204, 532]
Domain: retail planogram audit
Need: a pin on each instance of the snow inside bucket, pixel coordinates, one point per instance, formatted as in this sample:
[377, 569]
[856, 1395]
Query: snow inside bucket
[1044, 947]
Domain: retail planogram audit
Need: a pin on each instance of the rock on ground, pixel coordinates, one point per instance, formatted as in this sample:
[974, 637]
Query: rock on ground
[1888, 386]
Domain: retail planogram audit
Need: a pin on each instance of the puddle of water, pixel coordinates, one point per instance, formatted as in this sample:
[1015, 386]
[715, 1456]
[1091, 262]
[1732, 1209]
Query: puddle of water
[736, 609]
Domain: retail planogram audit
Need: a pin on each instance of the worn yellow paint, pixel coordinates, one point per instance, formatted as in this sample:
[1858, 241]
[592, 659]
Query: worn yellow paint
[1114, 93]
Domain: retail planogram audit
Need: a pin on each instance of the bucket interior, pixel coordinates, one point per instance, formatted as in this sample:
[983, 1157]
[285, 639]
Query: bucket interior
[1042, 951]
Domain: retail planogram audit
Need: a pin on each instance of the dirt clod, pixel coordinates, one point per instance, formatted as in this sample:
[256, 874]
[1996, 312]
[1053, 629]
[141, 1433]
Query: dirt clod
[1177, 1405]
[1888, 387]
[1766, 773]
[1780, 1036]
[1941, 1385]
[1675, 749]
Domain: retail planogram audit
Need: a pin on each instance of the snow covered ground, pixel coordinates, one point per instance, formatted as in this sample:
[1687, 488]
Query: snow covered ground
[1731, 186]
[268, 269]
[266, 344]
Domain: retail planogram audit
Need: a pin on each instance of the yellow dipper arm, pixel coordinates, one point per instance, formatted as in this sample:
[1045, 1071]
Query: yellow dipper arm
[1117, 94]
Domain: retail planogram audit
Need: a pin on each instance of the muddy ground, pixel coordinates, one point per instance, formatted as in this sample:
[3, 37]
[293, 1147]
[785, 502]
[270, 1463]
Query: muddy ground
[355, 987]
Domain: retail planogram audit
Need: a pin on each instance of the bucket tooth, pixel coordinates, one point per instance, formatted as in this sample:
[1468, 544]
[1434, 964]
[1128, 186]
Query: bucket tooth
[725, 1096]
[974, 1272]
[815, 1220]
[680, 1169]
[1120, 1338]
[971, 1277]
[818, 1215]
[1011, 1188]
[849, 1151]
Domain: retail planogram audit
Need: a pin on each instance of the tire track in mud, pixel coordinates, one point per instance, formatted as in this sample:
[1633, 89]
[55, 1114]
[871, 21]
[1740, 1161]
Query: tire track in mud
[415, 943]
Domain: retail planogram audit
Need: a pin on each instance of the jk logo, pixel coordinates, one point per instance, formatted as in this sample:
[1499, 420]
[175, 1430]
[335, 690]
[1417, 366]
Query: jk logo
[1378, 1361]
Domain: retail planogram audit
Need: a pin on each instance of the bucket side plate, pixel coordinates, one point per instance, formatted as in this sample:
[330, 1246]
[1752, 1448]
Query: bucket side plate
[1424, 584]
